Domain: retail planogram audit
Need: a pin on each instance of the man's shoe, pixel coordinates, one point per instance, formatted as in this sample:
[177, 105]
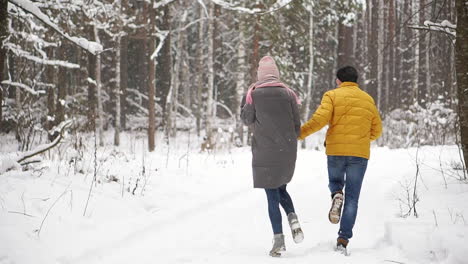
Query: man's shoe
[341, 245]
[335, 211]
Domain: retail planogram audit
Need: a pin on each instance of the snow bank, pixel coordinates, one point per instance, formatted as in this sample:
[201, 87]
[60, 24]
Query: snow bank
[425, 242]
[7, 163]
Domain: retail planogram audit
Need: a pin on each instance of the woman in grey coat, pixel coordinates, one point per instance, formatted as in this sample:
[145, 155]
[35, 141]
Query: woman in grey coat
[271, 108]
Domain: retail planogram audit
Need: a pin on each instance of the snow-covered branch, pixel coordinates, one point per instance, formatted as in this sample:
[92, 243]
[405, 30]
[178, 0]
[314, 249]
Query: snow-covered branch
[31, 8]
[162, 37]
[162, 3]
[43, 148]
[24, 87]
[278, 5]
[24, 54]
[10, 162]
[444, 27]
[140, 95]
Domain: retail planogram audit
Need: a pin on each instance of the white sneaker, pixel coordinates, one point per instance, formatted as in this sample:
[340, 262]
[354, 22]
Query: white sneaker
[335, 211]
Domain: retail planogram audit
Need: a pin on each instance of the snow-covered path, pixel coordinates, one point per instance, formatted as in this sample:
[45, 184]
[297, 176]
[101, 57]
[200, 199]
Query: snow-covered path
[208, 212]
[232, 226]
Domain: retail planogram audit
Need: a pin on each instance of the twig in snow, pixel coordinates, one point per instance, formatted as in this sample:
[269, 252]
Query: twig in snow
[24, 205]
[123, 184]
[442, 170]
[393, 261]
[168, 148]
[2, 201]
[21, 213]
[136, 186]
[435, 218]
[188, 154]
[50, 208]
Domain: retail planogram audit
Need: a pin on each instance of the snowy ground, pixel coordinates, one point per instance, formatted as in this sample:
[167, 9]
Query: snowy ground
[205, 211]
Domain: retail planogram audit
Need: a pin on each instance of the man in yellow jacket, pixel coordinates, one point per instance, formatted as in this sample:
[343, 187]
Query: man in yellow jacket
[353, 122]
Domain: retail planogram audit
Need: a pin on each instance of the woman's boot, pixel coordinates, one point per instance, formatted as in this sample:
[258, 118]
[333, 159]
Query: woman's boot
[278, 245]
[296, 230]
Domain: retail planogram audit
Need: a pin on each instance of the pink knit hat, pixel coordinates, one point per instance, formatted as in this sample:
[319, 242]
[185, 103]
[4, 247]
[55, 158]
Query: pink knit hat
[268, 76]
[267, 69]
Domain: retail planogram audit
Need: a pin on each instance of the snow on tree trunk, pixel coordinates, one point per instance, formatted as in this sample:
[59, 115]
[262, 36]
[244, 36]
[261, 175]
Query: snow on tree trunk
[164, 63]
[3, 36]
[172, 97]
[209, 99]
[100, 125]
[50, 73]
[62, 87]
[91, 88]
[462, 73]
[310, 79]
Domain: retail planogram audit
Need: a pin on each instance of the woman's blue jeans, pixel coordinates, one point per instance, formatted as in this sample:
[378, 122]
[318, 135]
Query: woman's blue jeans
[277, 197]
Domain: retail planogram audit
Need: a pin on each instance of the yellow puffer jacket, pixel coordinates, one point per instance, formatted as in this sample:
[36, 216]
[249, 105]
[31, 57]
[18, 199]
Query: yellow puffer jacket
[353, 121]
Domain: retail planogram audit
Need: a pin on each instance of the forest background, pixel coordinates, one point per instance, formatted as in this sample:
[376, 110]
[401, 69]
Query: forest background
[182, 65]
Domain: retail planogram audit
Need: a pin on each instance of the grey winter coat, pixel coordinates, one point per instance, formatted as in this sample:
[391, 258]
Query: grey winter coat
[274, 117]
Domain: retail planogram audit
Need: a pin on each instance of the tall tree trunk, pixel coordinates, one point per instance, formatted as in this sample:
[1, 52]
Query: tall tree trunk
[381, 66]
[3, 36]
[200, 71]
[61, 87]
[423, 71]
[164, 64]
[256, 45]
[407, 57]
[361, 48]
[396, 101]
[240, 80]
[50, 77]
[373, 51]
[310, 75]
[345, 45]
[123, 80]
[416, 66]
[100, 125]
[217, 50]
[117, 118]
[172, 97]
[151, 81]
[209, 100]
[391, 54]
[91, 91]
[462, 73]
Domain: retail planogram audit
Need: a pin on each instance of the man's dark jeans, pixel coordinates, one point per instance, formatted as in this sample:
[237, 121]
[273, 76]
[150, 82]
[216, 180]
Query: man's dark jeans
[275, 198]
[347, 172]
